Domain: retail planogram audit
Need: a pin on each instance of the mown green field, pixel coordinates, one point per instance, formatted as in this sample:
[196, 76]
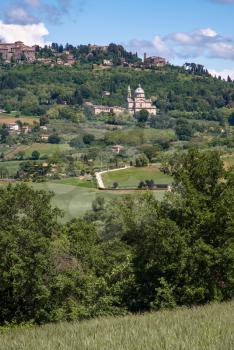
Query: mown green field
[132, 176]
[45, 149]
[203, 328]
[75, 200]
[73, 196]
[74, 181]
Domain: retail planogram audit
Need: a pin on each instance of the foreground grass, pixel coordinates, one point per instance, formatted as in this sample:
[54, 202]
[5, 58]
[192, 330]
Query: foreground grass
[228, 160]
[204, 328]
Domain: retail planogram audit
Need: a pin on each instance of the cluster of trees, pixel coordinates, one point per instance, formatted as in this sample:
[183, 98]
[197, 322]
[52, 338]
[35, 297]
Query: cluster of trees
[184, 130]
[90, 54]
[33, 170]
[195, 68]
[132, 255]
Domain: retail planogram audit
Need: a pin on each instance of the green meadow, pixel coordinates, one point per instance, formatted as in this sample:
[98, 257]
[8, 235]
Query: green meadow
[75, 199]
[132, 176]
[73, 196]
[202, 328]
[45, 149]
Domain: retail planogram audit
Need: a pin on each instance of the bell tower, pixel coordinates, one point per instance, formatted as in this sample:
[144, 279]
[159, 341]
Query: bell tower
[129, 92]
[130, 100]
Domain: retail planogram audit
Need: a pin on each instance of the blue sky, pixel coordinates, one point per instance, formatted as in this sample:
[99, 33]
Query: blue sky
[194, 30]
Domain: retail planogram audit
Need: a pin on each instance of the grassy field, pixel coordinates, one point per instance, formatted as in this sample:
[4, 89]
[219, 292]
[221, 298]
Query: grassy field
[72, 199]
[11, 167]
[132, 177]
[74, 181]
[5, 118]
[203, 328]
[75, 200]
[45, 149]
[73, 196]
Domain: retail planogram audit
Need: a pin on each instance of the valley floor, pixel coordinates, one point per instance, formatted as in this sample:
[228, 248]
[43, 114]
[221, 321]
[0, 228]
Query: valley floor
[204, 328]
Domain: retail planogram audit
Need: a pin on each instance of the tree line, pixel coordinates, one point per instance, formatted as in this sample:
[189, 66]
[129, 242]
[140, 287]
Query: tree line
[132, 255]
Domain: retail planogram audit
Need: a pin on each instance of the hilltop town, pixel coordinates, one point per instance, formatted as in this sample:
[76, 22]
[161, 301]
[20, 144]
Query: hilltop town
[57, 54]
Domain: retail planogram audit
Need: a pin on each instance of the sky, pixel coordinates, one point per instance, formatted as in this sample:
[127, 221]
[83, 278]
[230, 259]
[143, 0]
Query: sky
[199, 31]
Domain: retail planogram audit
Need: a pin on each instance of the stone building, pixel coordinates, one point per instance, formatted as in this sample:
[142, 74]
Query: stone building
[102, 48]
[154, 61]
[106, 109]
[139, 102]
[17, 51]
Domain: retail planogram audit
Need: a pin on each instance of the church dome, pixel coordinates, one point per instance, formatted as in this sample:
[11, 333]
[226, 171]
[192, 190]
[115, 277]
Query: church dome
[139, 91]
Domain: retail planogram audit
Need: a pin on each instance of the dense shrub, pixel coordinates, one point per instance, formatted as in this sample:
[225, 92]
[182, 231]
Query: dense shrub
[134, 254]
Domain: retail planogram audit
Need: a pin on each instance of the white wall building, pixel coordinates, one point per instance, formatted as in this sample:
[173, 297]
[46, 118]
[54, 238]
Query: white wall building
[139, 102]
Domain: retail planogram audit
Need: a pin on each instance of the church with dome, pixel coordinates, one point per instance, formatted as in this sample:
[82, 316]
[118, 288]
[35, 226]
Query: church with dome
[138, 102]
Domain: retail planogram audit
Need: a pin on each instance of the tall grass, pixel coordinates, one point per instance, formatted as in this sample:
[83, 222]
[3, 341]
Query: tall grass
[203, 328]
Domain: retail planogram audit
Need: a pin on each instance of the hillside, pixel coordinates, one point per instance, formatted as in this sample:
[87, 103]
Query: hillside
[33, 89]
[202, 328]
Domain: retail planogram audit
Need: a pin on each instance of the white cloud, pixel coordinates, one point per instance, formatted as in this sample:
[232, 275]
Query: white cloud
[223, 73]
[204, 42]
[194, 39]
[36, 11]
[19, 15]
[221, 50]
[30, 34]
[182, 38]
[161, 47]
[208, 32]
[200, 44]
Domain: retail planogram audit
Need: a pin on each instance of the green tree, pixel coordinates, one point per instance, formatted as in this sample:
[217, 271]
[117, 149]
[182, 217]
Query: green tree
[35, 155]
[142, 160]
[151, 151]
[183, 247]
[54, 139]
[143, 116]
[88, 139]
[4, 133]
[184, 130]
[20, 155]
[231, 119]
[28, 223]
